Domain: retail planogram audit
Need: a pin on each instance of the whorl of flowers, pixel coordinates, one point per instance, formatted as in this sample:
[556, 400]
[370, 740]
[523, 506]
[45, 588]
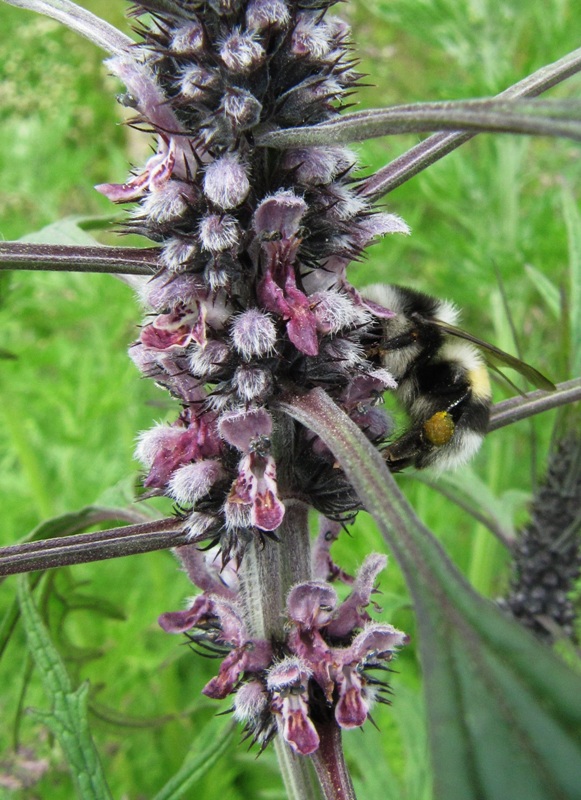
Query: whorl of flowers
[252, 296]
[252, 301]
[321, 669]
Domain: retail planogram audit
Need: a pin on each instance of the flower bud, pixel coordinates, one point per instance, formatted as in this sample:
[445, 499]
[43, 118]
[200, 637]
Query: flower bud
[253, 334]
[219, 232]
[226, 183]
[240, 52]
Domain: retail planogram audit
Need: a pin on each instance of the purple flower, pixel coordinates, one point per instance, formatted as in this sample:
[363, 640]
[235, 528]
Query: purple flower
[252, 300]
[320, 668]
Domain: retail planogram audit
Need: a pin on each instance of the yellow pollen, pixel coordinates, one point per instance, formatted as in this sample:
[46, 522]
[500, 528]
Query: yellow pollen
[439, 429]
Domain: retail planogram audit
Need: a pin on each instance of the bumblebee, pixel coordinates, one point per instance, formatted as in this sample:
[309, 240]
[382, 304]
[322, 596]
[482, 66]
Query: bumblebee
[442, 376]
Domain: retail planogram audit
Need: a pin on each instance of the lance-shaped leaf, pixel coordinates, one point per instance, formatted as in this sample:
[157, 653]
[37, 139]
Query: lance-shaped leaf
[531, 117]
[516, 408]
[68, 716]
[85, 547]
[504, 711]
[199, 762]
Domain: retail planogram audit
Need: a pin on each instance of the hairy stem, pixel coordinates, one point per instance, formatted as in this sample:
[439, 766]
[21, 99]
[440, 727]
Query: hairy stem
[268, 572]
[330, 764]
[78, 258]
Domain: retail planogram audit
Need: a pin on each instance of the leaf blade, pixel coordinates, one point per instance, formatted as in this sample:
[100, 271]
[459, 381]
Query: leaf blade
[492, 689]
[68, 718]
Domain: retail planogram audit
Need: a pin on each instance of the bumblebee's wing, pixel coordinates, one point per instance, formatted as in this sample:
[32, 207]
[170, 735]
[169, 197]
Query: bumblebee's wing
[494, 354]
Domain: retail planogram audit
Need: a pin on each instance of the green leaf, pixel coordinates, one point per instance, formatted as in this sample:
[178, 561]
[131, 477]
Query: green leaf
[547, 290]
[68, 716]
[63, 525]
[198, 763]
[64, 231]
[530, 117]
[504, 712]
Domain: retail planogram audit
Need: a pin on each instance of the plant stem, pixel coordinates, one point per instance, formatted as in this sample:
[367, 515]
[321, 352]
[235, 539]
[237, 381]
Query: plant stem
[330, 766]
[268, 571]
[79, 258]
[297, 773]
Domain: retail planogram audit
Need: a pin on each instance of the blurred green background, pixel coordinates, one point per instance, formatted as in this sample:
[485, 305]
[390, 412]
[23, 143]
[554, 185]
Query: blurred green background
[72, 402]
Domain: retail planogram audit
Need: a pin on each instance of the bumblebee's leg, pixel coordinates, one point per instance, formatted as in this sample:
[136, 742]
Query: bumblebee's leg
[434, 428]
[404, 451]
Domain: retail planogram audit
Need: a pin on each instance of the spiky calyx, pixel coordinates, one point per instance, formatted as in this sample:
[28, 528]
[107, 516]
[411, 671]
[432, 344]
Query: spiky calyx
[320, 670]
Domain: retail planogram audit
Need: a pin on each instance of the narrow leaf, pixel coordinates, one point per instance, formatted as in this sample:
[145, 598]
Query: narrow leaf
[68, 717]
[546, 289]
[517, 408]
[531, 117]
[504, 712]
[195, 767]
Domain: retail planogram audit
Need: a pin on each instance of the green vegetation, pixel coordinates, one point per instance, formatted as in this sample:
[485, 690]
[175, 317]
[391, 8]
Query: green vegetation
[72, 403]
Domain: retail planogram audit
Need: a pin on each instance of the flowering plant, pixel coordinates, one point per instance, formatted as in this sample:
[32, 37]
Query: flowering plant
[278, 364]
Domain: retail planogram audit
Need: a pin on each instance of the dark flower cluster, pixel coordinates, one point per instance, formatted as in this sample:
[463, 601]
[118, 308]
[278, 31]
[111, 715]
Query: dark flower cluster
[251, 300]
[547, 556]
[321, 669]
[252, 296]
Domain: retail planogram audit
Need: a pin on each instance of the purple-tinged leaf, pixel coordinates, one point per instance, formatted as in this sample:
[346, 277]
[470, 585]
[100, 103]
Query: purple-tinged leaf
[516, 408]
[530, 117]
[86, 547]
[504, 711]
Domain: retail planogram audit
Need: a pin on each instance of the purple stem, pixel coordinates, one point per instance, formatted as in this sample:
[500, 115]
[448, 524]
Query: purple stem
[329, 763]
[79, 258]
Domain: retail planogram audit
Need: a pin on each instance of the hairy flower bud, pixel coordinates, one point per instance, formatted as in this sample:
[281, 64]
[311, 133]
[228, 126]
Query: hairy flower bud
[253, 334]
[219, 232]
[226, 183]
